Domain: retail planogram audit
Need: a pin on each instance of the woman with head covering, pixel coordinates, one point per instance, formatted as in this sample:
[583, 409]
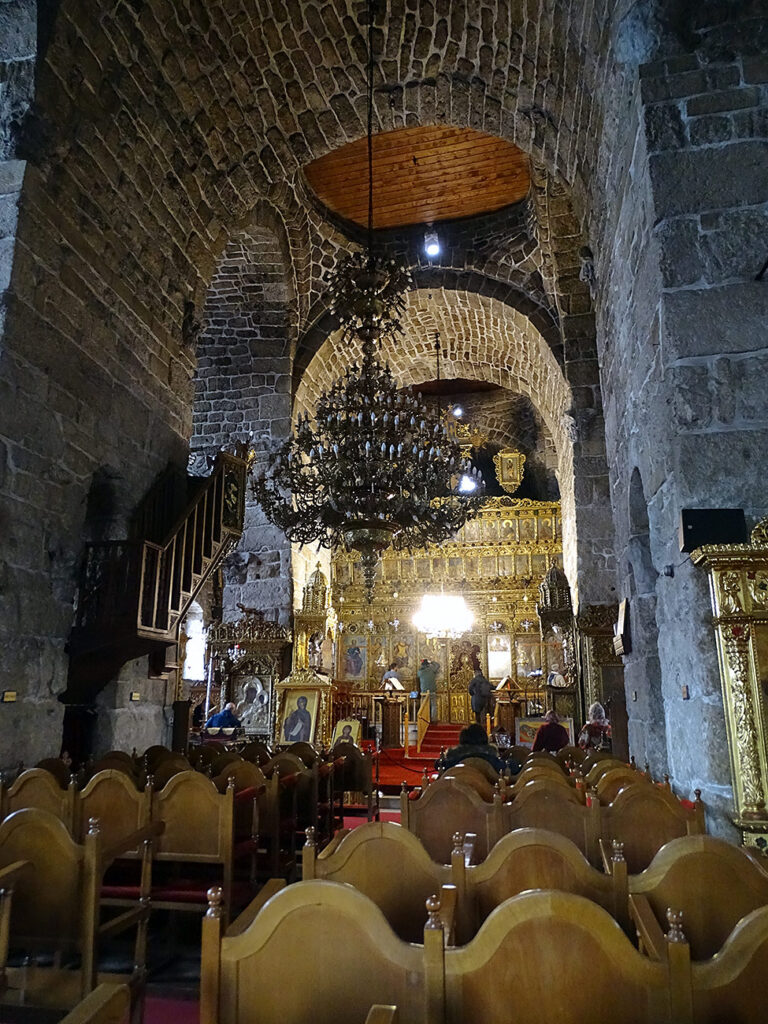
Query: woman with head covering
[551, 735]
[596, 733]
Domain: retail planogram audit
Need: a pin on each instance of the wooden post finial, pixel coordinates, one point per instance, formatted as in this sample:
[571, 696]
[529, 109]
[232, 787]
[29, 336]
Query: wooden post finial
[458, 844]
[433, 913]
[617, 851]
[675, 919]
[215, 900]
[311, 834]
[93, 826]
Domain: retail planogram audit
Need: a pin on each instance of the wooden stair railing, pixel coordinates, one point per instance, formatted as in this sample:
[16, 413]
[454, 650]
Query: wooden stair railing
[134, 592]
[172, 572]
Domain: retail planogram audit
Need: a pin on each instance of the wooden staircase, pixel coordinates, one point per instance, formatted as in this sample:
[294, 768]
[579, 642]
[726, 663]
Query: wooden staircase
[134, 593]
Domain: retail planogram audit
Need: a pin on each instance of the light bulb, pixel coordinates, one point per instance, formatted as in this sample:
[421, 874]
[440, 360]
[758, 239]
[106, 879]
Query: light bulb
[431, 244]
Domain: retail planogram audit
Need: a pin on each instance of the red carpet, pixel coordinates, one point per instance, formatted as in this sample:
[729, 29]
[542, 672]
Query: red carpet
[159, 1010]
[383, 816]
[395, 767]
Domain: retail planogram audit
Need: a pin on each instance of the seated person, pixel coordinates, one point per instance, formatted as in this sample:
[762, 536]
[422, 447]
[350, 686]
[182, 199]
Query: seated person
[473, 742]
[596, 733]
[224, 719]
[551, 735]
[390, 680]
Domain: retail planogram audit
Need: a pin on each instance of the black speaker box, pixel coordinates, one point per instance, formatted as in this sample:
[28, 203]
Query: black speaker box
[699, 526]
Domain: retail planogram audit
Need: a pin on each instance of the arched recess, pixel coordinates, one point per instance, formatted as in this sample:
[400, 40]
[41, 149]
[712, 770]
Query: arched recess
[642, 667]
[242, 394]
[482, 339]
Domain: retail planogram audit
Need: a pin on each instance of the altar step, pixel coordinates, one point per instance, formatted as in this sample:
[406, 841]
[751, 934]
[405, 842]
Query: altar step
[438, 736]
[395, 768]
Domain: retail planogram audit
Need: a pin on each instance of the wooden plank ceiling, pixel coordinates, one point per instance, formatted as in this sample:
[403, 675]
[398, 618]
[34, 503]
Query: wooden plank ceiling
[421, 176]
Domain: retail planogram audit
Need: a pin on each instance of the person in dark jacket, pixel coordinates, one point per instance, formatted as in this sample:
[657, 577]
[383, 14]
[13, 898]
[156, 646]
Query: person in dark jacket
[225, 719]
[473, 742]
[551, 735]
[480, 691]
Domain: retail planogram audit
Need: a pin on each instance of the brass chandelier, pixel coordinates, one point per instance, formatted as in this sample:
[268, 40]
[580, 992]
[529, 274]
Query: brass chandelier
[376, 465]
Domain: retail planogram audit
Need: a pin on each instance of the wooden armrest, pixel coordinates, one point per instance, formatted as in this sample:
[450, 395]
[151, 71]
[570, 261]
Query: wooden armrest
[250, 793]
[648, 928]
[9, 874]
[448, 899]
[245, 919]
[109, 1003]
[118, 924]
[333, 844]
[380, 1014]
[605, 854]
[131, 841]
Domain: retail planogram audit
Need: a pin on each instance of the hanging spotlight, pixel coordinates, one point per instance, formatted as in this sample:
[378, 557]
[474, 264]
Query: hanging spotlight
[457, 412]
[431, 243]
[467, 485]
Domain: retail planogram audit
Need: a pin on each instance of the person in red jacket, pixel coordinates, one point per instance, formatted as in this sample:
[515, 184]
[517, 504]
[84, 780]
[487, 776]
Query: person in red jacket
[551, 735]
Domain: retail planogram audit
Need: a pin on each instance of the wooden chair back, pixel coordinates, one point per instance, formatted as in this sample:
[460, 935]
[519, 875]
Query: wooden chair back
[49, 900]
[482, 767]
[168, 768]
[518, 753]
[644, 818]
[593, 757]
[713, 883]
[612, 781]
[554, 956]
[198, 819]
[353, 774]
[389, 865]
[245, 774]
[550, 805]
[57, 768]
[284, 763]
[471, 778]
[223, 761]
[154, 755]
[569, 753]
[532, 858]
[38, 788]
[446, 807]
[111, 796]
[257, 751]
[306, 751]
[593, 773]
[731, 986]
[349, 958]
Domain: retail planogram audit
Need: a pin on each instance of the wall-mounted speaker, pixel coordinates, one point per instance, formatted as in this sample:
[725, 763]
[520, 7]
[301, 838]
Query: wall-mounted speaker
[699, 526]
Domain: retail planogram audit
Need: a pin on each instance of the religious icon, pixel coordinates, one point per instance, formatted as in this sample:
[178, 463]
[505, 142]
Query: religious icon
[299, 717]
[354, 660]
[348, 730]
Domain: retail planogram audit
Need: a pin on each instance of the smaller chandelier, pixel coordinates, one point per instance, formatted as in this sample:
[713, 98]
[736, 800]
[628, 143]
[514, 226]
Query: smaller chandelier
[443, 616]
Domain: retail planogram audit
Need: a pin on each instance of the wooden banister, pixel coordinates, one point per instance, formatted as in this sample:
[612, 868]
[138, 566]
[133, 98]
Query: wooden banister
[422, 721]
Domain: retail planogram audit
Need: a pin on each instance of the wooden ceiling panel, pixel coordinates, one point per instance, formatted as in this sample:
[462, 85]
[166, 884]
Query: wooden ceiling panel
[421, 176]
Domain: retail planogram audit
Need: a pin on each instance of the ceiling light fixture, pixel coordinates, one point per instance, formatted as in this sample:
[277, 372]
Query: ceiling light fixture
[443, 616]
[431, 244]
[376, 465]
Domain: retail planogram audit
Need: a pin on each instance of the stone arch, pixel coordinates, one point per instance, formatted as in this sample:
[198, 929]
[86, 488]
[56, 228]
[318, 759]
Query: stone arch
[483, 339]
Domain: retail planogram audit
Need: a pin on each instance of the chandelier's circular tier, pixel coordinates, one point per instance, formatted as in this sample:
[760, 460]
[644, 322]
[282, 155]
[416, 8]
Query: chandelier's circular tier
[372, 454]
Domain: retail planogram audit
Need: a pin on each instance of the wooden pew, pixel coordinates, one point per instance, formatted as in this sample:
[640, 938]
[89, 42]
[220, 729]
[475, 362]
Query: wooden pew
[111, 796]
[713, 884]
[556, 808]
[472, 779]
[55, 906]
[446, 807]
[645, 817]
[389, 865]
[533, 858]
[554, 956]
[37, 787]
[320, 952]
[199, 831]
[610, 782]
[354, 781]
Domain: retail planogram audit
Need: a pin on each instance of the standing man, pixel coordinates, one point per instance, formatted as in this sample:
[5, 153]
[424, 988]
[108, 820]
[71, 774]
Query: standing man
[480, 691]
[428, 672]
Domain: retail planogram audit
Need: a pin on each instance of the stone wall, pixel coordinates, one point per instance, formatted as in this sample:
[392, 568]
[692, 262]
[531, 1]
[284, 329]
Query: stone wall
[242, 393]
[683, 348]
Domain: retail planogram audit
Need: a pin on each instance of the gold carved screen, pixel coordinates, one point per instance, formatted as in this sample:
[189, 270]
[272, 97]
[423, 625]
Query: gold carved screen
[496, 562]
